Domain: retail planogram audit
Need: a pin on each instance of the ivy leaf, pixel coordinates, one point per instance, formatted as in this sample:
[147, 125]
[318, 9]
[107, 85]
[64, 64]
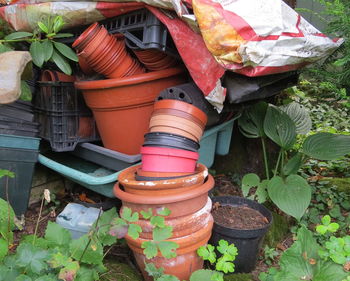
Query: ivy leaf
[164, 211]
[129, 216]
[158, 221]
[32, 258]
[66, 51]
[43, 27]
[56, 235]
[48, 49]
[93, 253]
[18, 35]
[61, 63]
[160, 234]
[168, 249]
[147, 214]
[37, 52]
[134, 230]
[249, 181]
[3, 249]
[150, 249]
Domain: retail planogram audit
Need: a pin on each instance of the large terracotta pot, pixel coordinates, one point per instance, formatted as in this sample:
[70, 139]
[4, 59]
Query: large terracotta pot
[187, 260]
[161, 187]
[122, 107]
[180, 204]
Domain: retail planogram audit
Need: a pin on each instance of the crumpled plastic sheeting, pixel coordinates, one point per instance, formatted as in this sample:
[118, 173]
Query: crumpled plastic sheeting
[255, 37]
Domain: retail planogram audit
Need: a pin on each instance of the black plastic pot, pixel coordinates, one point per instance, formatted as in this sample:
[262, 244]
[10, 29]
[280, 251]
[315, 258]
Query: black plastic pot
[170, 140]
[248, 242]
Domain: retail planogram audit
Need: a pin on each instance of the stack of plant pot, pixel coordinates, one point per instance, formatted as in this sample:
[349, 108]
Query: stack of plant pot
[122, 105]
[169, 177]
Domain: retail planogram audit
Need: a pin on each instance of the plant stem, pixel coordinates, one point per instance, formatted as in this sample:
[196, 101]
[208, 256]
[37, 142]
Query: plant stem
[8, 212]
[265, 159]
[105, 254]
[19, 40]
[278, 162]
[37, 222]
[282, 162]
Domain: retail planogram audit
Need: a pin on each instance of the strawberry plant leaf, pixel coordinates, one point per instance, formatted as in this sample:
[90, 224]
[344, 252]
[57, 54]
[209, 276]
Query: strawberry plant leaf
[158, 221]
[18, 35]
[150, 249]
[134, 230]
[168, 249]
[93, 254]
[56, 235]
[147, 214]
[37, 52]
[31, 258]
[160, 234]
[66, 51]
[164, 211]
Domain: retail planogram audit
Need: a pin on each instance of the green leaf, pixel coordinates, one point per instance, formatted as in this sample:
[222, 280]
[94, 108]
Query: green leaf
[7, 216]
[129, 216]
[56, 235]
[223, 246]
[207, 253]
[86, 274]
[204, 275]
[279, 127]
[61, 63]
[6, 173]
[18, 35]
[66, 51]
[4, 48]
[69, 271]
[48, 49]
[63, 35]
[164, 211]
[168, 249]
[333, 227]
[326, 220]
[37, 52]
[119, 228]
[3, 249]
[134, 230]
[147, 215]
[39, 241]
[31, 258]
[26, 94]
[43, 27]
[104, 226]
[160, 234]
[49, 277]
[292, 195]
[153, 271]
[167, 277]
[326, 146]
[321, 229]
[293, 165]
[158, 221]
[150, 249]
[251, 123]
[300, 116]
[91, 254]
[23, 277]
[223, 264]
[261, 191]
[249, 181]
[58, 24]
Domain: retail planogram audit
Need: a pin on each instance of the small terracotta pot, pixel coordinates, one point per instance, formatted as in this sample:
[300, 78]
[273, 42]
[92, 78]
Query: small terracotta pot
[51, 76]
[171, 130]
[84, 66]
[178, 113]
[163, 159]
[86, 36]
[182, 106]
[187, 260]
[122, 107]
[180, 204]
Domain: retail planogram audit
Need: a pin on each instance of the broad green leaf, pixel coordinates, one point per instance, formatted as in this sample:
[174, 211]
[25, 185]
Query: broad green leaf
[66, 51]
[37, 52]
[160, 234]
[127, 215]
[39, 241]
[326, 146]
[164, 211]
[58, 24]
[43, 27]
[3, 249]
[251, 123]
[333, 227]
[299, 114]
[86, 251]
[104, 225]
[31, 258]
[293, 165]
[49, 277]
[26, 94]
[7, 216]
[63, 35]
[292, 195]
[18, 35]
[203, 275]
[249, 181]
[6, 173]
[279, 127]
[86, 274]
[157, 221]
[61, 62]
[56, 235]
[4, 48]
[69, 271]
[261, 192]
[168, 249]
[48, 49]
[321, 229]
[167, 277]
[150, 249]
[23, 277]
[134, 231]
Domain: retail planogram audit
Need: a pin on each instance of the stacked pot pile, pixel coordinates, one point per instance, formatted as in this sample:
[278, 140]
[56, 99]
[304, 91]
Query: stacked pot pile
[169, 177]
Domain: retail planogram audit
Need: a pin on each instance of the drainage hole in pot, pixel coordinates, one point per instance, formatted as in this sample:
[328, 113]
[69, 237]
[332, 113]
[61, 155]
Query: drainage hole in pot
[171, 91]
[160, 98]
[238, 217]
[181, 95]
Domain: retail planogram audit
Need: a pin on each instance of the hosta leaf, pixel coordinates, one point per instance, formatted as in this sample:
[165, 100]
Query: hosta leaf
[251, 123]
[168, 249]
[48, 49]
[150, 249]
[61, 62]
[292, 195]
[326, 146]
[66, 51]
[293, 165]
[37, 52]
[279, 127]
[56, 235]
[300, 116]
[18, 35]
[93, 253]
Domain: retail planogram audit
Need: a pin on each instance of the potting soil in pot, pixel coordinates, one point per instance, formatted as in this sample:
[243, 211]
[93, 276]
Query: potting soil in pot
[238, 217]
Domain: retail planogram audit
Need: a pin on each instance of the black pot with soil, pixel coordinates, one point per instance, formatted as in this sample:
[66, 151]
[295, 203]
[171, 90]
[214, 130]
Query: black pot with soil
[243, 222]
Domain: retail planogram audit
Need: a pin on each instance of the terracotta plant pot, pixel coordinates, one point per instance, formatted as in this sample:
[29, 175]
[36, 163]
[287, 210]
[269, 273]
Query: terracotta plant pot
[122, 107]
[157, 176]
[86, 36]
[187, 260]
[163, 159]
[155, 60]
[161, 187]
[180, 204]
[178, 113]
[52, 76]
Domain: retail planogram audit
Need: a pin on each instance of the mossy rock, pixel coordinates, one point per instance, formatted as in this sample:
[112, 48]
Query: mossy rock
[117, 271]
[238, 277]
[342, 184]
[278, 230]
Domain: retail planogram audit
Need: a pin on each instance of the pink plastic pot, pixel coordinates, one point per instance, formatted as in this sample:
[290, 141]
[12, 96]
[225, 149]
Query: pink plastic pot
[170, 160]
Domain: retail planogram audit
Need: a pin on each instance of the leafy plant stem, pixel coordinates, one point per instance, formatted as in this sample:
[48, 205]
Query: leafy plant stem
[105, 254]
[265, 159]
[278, 162]
[38, 220]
